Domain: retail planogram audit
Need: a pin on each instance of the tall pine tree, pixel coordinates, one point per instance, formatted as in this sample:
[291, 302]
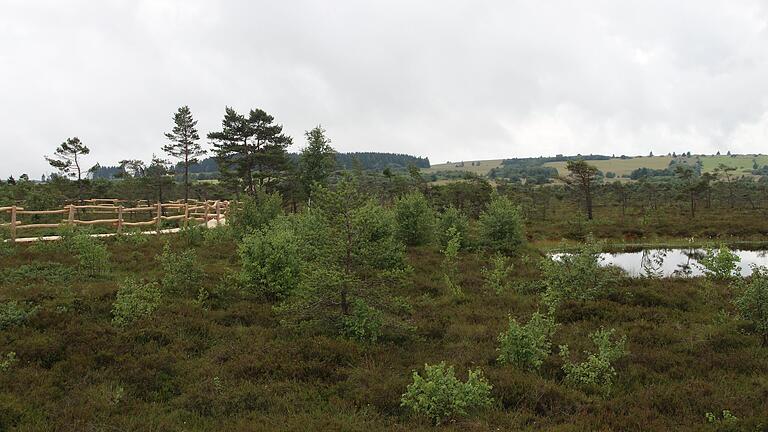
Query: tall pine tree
[184, 145]
[68, 160]
[251, 151]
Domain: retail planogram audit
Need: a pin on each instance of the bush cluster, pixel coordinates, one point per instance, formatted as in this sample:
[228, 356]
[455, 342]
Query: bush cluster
[440, 396]
[596, 373]
[415, 219]
[135, 300]
[527, 346]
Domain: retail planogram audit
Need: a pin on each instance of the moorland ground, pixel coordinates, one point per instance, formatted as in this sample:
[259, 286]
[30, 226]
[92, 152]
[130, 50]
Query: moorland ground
[219, 358]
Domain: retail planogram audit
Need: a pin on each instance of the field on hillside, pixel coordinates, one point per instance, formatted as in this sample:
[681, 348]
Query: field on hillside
[620, 166]
[480, 167]
[743, 164]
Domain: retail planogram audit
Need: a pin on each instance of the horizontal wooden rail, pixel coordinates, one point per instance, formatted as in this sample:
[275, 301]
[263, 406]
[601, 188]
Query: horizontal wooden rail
[27, 226]
[40, 212]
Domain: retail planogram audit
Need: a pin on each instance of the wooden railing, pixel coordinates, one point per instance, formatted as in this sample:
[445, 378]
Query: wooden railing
[200, 212]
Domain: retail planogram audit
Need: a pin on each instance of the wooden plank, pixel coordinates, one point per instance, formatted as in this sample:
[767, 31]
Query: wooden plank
[95, 222]
[9, 208]
[40, 212]
[97, 207]
[172, 217]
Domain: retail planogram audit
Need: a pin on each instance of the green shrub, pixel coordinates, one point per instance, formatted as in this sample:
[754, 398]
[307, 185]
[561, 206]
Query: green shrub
[7, 361]
[92, 255]
[192, 234]
[501, 226]
[440, 396]
[596, 373]
[6, 247]
[496, 277]
[451, 265]
[181, 271]
[720, 263]
[14, 314]
[527, 346]
[363, 324]
[752, 302]
[575, 276]
[415, 219]
[133, 238]
[46, 272]
[271, 260]
[452, 217]
[135, 300]
[726, 422]
[218, 235]
[254, 213]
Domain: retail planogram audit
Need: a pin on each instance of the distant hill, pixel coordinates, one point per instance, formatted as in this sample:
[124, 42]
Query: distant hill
[374, 161]
[545, 169]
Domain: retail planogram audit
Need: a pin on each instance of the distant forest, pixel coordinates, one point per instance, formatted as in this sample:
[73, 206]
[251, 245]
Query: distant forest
[372, 161]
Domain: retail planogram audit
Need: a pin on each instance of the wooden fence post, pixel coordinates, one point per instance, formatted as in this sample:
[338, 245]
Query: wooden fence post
[205, 218]
[71, 218]
[120, 219]
[13, 223]
[218, 213]
[159, 215]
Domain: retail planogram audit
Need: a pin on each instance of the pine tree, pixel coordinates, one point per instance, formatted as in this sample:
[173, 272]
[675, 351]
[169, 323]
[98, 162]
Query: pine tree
[184, 143]
[68, 159]
[251, 151]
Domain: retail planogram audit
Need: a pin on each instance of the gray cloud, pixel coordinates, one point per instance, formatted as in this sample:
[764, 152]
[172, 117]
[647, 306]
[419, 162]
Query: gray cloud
[451, 80]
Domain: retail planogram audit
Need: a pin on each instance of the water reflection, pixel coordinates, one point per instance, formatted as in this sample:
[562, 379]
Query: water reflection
[675, 262]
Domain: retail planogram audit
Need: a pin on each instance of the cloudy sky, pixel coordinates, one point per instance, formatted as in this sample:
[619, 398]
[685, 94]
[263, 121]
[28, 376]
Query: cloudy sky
[451, 80]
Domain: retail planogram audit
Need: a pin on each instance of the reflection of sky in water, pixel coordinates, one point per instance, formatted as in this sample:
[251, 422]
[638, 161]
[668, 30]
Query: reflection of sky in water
[674, 262]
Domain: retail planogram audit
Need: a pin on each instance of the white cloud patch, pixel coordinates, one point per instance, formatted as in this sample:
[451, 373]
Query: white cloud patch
[452, 80]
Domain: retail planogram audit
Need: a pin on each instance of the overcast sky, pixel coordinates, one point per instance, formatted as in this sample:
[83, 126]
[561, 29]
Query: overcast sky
[450, 80]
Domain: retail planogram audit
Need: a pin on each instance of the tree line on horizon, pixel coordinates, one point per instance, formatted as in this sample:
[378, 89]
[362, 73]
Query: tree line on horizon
[249, 155]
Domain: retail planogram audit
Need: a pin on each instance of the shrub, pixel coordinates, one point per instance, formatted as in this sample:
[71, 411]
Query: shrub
[7, 361]
[752, 303]
[135, 300]
[415, 219]
[363, 324]
[440, 396]
[720, 263]
[726, 422]
[217, 235]
[133, 238]
[254, 213]
[180, 270]
[192, 234]
[597, 371]
[575, 276]
[271, 261]
[497, 276]
[13, 314]
[6, 247]
[501, 226]
[452, 217]
[527, 346]
[451, 265]
[92, 255]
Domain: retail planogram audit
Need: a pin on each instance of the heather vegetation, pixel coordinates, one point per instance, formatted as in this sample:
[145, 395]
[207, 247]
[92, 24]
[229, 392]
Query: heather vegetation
[352, 299]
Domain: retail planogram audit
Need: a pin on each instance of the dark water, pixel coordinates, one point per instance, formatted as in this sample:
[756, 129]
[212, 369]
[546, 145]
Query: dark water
[675, 262]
